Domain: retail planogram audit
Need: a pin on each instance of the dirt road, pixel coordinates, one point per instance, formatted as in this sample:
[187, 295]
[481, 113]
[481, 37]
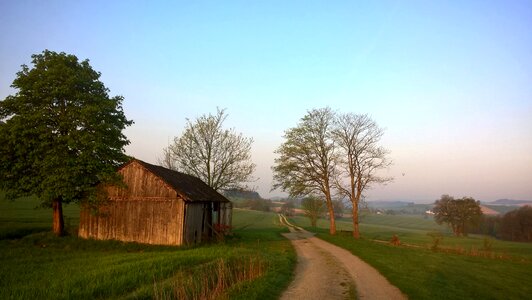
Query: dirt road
[326, 271]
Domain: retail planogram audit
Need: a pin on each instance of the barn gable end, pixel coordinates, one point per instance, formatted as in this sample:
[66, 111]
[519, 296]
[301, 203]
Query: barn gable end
[153, 206]
[141, 183]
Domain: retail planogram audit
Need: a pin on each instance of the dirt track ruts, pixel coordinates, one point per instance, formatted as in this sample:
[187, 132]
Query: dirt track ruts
[326, 271]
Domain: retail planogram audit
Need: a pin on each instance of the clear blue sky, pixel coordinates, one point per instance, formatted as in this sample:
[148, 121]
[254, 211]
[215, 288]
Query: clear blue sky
[450, 81]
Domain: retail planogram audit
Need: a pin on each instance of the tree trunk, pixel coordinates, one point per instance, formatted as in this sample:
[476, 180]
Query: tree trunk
[58, 222]
[356, 232]
[332, 227]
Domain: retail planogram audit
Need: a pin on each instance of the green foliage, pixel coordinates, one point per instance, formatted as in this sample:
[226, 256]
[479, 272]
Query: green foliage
[458, 213]
[306, 159]
[306, 162]
[62, 134]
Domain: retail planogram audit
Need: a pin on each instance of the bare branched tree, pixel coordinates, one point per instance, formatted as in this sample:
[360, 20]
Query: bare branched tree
[220, 157]
[306, 161]
[357, 138]
[167, 160]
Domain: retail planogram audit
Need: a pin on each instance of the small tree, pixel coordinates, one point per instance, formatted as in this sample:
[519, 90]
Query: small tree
[62, 133]
[220, 157]
[313, 208]
[457, 213]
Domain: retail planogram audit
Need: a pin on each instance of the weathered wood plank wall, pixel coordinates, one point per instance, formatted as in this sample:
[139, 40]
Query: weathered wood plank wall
[140, 183]
[146, 211]
[153, 222]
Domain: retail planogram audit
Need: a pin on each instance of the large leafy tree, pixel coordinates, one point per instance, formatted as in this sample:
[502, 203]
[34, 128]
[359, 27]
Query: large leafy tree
[220, 157]
[307, 157]
[357, 138]
[457, 213]
[62, 133]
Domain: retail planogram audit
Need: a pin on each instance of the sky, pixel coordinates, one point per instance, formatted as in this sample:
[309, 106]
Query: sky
[450, 81]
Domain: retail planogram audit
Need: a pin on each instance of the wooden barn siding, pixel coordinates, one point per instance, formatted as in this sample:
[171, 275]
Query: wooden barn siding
[140, 183]
[226, 213]
[194, 222]
[147, 211]
[152, 222]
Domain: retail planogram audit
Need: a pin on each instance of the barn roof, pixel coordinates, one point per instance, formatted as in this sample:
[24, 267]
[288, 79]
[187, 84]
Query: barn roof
[189, 187]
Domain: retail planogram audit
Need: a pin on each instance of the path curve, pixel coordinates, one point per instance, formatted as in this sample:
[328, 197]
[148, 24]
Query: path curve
[326, 271]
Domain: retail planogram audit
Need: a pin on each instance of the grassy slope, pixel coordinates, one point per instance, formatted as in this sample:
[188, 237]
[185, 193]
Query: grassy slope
[35, 264]
[425, 274]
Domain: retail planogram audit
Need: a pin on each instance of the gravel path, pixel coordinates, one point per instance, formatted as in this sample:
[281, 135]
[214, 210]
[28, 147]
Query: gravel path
[326, 271]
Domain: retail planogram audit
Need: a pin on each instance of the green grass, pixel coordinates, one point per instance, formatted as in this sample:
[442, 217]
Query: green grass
[424, 274]
[24, 216]
[36, 264]
[414, 230]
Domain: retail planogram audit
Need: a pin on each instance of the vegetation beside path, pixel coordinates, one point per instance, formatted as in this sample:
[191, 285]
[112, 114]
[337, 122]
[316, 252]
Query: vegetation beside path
[443, 273]
[255, 263]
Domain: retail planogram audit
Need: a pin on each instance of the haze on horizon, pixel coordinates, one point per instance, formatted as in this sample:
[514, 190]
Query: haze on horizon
[452, 84]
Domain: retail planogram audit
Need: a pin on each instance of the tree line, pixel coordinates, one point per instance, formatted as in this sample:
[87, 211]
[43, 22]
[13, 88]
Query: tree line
[515, 225]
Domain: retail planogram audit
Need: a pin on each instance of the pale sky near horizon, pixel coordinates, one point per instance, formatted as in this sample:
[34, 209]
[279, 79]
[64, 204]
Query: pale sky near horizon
[450, 81]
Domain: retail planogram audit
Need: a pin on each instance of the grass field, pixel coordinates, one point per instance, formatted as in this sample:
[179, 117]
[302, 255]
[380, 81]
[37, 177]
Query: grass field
[255, 263]
[425, 274]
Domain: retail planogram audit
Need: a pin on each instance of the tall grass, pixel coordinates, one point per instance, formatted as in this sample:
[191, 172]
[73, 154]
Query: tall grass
[256, 262]
[212, 280]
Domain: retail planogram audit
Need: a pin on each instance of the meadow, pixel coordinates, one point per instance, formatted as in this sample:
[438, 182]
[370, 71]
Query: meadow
[475, 267]
[256, 262]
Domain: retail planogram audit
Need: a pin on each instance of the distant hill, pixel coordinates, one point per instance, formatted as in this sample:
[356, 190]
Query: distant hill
[241, 193]
[389, 204]
[501, 209]
[510, 202]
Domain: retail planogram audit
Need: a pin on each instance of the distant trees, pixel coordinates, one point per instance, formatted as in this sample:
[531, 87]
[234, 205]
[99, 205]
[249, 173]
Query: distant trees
[287, 208]
[313, 208]
[255, 204]
[457, 213]
[62, 134]
[516, 225]
[220, 157]
[331, 153]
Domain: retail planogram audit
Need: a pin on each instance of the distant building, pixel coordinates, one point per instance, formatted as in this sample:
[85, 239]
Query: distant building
[157, 206]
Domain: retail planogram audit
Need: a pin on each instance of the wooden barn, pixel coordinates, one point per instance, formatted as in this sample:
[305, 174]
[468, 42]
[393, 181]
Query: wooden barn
[157, 206]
